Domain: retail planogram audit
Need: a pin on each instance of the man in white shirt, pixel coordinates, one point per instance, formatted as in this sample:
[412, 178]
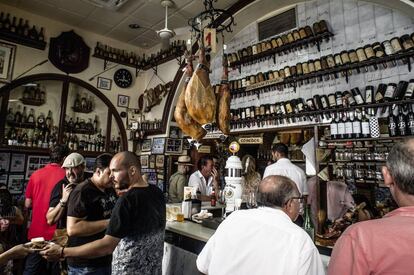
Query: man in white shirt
[263, 240]
[284, 167]
[205, 178]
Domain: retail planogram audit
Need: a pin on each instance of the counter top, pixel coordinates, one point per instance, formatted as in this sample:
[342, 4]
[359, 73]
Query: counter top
[190, 229]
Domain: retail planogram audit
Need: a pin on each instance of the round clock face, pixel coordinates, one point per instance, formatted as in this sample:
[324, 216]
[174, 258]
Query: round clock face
[123, 78]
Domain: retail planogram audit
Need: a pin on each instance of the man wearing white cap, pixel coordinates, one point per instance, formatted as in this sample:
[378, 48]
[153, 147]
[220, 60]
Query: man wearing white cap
[74, 166]
[179, 179]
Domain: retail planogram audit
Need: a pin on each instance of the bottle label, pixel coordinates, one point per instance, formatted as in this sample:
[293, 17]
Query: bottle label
[334, 129]
[356, 127]
[341, 128]
[368, 96]
[410, 90]
[348, 127]
[359, 99]
[389, 93]
[365, 127]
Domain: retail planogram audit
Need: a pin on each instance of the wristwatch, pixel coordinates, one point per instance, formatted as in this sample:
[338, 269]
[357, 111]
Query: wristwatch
[62, 203]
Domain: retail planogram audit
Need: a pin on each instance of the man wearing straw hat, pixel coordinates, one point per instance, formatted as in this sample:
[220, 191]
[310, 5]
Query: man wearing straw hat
[179, 179]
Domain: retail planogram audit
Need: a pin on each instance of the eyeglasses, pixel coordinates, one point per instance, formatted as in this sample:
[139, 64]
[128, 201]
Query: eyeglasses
[300, 199]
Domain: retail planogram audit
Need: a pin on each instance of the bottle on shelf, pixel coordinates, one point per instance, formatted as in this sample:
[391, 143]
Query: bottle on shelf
[365, 132]
[410, 120]
[357, 96]
[18, 115]
[410, 90]
[24, 115]
[379, 94]
[348, 126]
[401, 122]
[369, 94]
[356, 124]
[49, 120]
[308, 224]
[392, 122]
[334, 127]
[390, 92]
[401, 90]
[341, 125]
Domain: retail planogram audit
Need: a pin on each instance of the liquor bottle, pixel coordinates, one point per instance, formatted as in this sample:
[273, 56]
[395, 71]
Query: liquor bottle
[10, 115]
[356, 124]
[95, 124]
[41, 122]
[401, 124]
[324, 101]
[1, 20]
[401, 89]
[349, 98]
[19, 28]
[26, 93]
[18, 115]
[77, 104]
[410, 90]
[390, 92]
[369, 94]
[26, 28]
[348, 126]
[392, 124]
[33, 33]
[338, 96]
[13, 26]
[49, 120]
[341, 125]
[410, 120]
[24, 115]
[379, 94]
[71, 124]
[357, 96]
[308, 224]
[84, 103]
[6, 22]
[334, 127]
[77, 124]
[364, 125]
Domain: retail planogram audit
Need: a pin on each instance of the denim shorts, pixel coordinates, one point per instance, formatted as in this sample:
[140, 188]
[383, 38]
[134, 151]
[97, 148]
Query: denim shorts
[105, 270]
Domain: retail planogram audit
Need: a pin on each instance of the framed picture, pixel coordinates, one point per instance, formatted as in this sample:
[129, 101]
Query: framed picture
[7, 54]
[152, 161]
[4, 161]
[174, 132]
[3, 180]
[123, 101]
[186, 144]
[16, 184]
[90, 163]
[146, 145]
[34, 163]
[159, 161]
[144, 161]
[174, 146]
[158, 146]
[17, 163]
[104, 83]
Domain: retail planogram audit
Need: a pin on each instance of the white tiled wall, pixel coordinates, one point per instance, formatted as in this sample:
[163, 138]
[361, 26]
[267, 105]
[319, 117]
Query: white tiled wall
[354, 23]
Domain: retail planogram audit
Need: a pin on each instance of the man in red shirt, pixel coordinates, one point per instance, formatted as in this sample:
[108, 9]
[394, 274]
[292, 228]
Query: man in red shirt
[383, 246]
[38, 192]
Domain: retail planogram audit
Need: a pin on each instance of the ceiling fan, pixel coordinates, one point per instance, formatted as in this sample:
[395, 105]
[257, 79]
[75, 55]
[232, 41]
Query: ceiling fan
[166, 34]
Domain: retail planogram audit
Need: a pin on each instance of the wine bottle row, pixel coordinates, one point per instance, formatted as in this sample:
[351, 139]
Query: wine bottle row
[30, 137]
[28, 119]
[34, 93]
[80, 125]
[83, 103]
[20, 28]
[176, 48]
[277, 42]
[94, 142]
[386, 48]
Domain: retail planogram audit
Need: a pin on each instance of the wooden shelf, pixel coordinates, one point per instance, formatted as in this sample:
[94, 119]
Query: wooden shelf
[32, 102]
[79, 110]
[367, 139]
[369, 162]
[293, 81]
[80, 131]
[22, 125]
[22, 40]
[24, 149]
[279, 50]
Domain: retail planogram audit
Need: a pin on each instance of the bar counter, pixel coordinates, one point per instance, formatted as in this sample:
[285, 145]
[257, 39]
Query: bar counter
[185, 240]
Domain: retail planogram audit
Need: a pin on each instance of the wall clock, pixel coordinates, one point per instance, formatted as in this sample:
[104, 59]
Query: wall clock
[123, 78]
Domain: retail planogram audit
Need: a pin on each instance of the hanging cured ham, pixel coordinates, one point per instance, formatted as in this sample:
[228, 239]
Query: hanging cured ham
[186, 123]
[199, 95]
[223, 107]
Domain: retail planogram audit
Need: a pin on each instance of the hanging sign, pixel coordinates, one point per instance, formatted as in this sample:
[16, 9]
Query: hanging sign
[210, 39]
[250, 140]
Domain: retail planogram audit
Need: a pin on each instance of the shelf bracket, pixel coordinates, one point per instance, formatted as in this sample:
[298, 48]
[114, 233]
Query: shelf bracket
[105, 64]
[155, 69]
[179, 59]
[137, 70]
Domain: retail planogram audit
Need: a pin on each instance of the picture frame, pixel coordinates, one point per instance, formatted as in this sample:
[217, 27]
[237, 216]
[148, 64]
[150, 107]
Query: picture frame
[186, 144]
[7, 56]
[152, 161]
[144, 161]
[34, 163]
[159, 161]
[17, 163]
[146, 145]
[174, 146]
[4, 161]
[174, 132]
[123, 101]
[158, 145]
[104, 83]
[16, 184]
[89, 164]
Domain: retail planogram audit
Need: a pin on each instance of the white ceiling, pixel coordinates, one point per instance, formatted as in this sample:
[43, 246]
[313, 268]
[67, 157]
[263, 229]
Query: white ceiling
[114, 23]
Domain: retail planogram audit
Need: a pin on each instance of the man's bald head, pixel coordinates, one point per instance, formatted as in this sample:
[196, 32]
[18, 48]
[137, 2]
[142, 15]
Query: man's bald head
[276, 191]
[128, 159]
[400, 163]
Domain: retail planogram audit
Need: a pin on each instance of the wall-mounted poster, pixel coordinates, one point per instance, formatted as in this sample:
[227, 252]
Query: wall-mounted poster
[144, 161]
[186, 144]
[90, 162]
[146, 145]
[16, 184]
[174, 146]
[34, 163]
[4, 161]
[3, 179]
[152, 161]
[17, 163]
[159, 161]
[158, 145]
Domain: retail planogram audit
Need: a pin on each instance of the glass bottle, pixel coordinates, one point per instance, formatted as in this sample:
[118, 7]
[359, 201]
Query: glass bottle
[369, 94]
[410, 120]
[401, 124]
[392, 124]
[334, 127]
[341, 125]
[364, 125]
[348, 126]
[308, 224]
[356, 124]
[410, 90]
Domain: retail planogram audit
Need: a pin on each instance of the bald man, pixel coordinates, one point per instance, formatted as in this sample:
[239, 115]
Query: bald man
[263, 240]
[135, 233]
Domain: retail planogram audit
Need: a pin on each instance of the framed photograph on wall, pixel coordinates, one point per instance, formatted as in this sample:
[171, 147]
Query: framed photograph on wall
[4, 161]
[159, 161]
[186, 144]
[104, 83]
[90, 163]
[174, 132]
[152, 161]
[158, 145]
[17, 163]
[144, 161]
[7, 55]
[34, 163]
[16, 184]
[146, 145]
[174, 146]
[123, 101]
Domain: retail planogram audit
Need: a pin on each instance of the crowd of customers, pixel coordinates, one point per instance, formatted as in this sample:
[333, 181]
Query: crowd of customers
[113, 221]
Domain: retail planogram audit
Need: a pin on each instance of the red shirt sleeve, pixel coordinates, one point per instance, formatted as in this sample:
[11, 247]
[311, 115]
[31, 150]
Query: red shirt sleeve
[29, 189]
